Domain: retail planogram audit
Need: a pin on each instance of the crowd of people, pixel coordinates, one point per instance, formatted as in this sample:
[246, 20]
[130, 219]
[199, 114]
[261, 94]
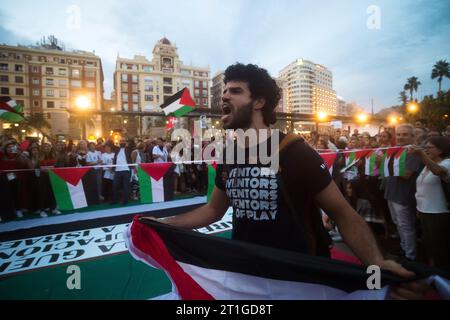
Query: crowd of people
[411, 207]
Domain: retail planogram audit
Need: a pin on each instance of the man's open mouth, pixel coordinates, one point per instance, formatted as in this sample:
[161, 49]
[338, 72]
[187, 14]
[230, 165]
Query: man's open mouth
[226, 109]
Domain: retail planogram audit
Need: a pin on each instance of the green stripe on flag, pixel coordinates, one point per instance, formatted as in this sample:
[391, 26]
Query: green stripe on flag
[211, 181]
[61, 192]
[402, 164]
[182, 111]
[145, 186]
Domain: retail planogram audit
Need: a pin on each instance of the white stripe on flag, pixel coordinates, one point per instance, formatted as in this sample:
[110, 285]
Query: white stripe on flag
[157, 190]
[174, 106]
[77, 195]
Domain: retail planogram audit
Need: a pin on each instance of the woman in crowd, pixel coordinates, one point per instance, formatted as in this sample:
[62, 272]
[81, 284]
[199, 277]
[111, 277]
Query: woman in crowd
[432, 204]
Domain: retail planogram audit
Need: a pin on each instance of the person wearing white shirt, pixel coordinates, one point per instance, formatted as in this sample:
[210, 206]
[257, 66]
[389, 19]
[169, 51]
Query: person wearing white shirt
[94, 158]
[122, 172]
[432, 204]
[108, 175]
[159, 152]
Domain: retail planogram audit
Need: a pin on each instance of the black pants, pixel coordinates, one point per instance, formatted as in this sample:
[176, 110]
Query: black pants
[107, 189]
[121, 182]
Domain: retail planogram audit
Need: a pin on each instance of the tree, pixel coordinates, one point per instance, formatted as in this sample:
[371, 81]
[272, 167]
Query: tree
[411, 85]
[440, 70]
[51, 42]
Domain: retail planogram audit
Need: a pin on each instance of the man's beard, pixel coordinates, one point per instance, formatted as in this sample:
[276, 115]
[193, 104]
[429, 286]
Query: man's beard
[241, 117]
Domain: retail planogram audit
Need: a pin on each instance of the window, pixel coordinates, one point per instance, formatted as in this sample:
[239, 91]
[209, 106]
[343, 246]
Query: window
[135, 98]
[19, 79]
[134, 67]
[4, 79]
[205, 84]
[90, 63]
[197, 92]
[63, 93]
[125, 78]
[90, 84]
[148, 79]
[75, 83]
[75, 73]
[19, 91]
[90, 74]
[49, 82]
[19, 68]
[36, 103]
[205, 102]
[35, 69]
[148, 88]
[134, 88]
[4, 90]
[50, 104]
[148, 68]
[3, 66]
[62, 61]
[35, 92]
[204, 94]
[125, 107]
[49, 70]
[185, 72]
[167, 81]
[148, 98]
[167, 90]
[197, 83]
[62, 71]
[197, 101]
[125, 97]
[50, 93]
[135, 107]
[62, 82]
[134, 78]
[124, 87]
[186, 83]
[35, 81]
[62, 104]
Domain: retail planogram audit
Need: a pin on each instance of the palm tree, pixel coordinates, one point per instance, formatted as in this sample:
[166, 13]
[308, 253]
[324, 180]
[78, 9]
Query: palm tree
[411, 85]
[403, 98]
[38, 122]
[440, 70]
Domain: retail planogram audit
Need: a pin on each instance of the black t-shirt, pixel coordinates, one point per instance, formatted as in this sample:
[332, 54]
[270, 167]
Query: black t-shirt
[260, 212]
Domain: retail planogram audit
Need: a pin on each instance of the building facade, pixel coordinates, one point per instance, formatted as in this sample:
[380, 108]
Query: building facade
[49, 81]
[143, 85]
[217, 89]
[308, 88]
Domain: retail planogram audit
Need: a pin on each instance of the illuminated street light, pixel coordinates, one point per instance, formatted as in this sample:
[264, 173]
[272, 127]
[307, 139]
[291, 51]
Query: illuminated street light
[83, 103]
[412, 107]
[362, 117]
[393, 120]
[322, 116]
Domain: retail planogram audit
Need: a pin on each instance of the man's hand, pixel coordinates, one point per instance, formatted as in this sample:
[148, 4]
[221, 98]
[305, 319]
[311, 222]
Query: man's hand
[413, 290]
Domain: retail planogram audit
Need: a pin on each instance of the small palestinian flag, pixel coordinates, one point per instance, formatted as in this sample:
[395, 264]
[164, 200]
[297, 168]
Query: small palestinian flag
[68, 187]
[10, 111]
[393, 163]
[211, 179]
[179, 104]
[329, 158]
[154, 182]
[352, 157]
[370, 166]
[204, 267]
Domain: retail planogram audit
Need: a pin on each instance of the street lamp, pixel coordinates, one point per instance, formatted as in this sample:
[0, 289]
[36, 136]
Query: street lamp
[362, 117]
[83, 103]
[320, 117]
[412, 107]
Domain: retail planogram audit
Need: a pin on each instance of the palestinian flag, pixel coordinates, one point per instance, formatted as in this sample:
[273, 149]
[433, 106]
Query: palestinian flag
[329, 158]
[370, 164]
[156, 185]
[352, 157]
[68, 187]
[179, 104]
[393, 163]
[203, 267]
[211, 179]
[10, 111]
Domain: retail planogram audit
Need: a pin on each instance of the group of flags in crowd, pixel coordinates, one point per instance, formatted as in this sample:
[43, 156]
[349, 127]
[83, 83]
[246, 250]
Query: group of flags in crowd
[156, 183]
[10, 110]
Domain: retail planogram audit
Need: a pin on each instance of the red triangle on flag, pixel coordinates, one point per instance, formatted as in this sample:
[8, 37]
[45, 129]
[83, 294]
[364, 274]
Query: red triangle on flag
[361, 153]
[71, 175]
[156, 170]
[329, 159]
[186, 99]
[399, 153]
[391, 151]
[214, 165]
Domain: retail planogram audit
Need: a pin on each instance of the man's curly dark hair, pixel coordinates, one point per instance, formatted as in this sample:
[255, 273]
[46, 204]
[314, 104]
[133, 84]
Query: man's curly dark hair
[261, 85]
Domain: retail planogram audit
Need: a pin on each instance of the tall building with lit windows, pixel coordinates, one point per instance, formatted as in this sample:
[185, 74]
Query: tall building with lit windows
[308, 88]
[141, 84]
[49, 80]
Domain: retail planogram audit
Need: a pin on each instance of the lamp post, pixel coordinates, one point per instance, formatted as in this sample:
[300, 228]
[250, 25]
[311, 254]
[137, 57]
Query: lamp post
[83, 103]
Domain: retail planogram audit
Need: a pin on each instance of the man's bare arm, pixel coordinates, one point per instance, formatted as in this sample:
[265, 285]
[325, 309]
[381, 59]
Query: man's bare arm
[202, 216]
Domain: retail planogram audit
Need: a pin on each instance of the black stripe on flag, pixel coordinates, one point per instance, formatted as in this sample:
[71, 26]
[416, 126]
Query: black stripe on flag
[236, 256]
[172, 99]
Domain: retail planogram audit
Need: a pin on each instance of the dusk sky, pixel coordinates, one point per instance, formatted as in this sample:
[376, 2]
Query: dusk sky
[366, 62]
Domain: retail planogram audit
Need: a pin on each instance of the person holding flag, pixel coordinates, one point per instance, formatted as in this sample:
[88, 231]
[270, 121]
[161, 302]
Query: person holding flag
[278, 209]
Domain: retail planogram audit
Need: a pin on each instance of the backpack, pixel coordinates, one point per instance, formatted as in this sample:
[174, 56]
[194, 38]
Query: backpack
[318, 240]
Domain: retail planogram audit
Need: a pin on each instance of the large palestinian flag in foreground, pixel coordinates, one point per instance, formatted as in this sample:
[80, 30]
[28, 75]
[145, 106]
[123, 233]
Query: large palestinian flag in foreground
[10, 111]
[203, 267]
[68, 187]
[155, 182]
[179, 104]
